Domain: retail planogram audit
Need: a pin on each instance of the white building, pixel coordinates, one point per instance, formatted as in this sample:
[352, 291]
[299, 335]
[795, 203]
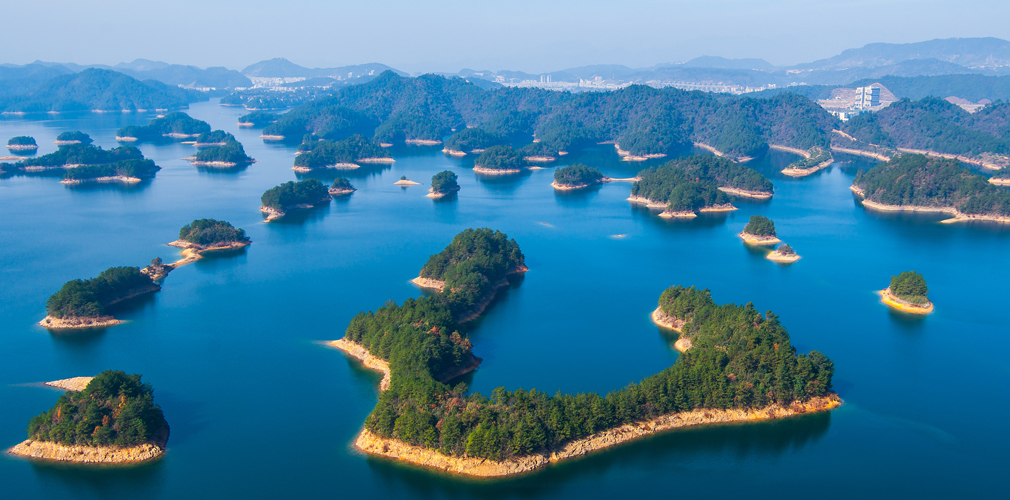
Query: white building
[866, 97]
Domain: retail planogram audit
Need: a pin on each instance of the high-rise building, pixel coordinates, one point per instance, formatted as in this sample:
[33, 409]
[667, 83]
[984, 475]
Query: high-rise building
[867, 97]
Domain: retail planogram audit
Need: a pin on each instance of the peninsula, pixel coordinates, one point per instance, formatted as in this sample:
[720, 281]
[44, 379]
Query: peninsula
[684, 187]
[279, 200]
[918, 183]
[815, 159]
[257, 119]
[760, 230]
[341, 187]
[112, 420]
[83, 303]
[907, 293]
[443, 184]
[348, 154]
[784, 254]
[733, 351]
[22, 143]
[177, 125]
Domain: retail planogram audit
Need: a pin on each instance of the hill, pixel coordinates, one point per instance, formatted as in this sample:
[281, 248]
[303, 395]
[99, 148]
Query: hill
[283, 68]
[99, 90]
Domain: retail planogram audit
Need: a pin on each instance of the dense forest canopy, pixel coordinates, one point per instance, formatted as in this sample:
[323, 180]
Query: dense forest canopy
[98, 89]
[321, 153]
[115, 409]
[500, 158]
[82, 154]
[910, 286]
[231, 152]
[289, 194]
[209, 232]
[643, 120]
[444, 182]
[172, 123]
[215, 136]
[342, 183]
[132, 168]
[22, 140]
[577, 175]
[918, 180]
[739, 359]
[760, 225]
[785, 249]
[75, 135]
[88, 298]
[258, 118]
[692, 183]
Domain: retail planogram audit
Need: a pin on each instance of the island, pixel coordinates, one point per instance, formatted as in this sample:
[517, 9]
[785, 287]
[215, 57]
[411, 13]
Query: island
[257, 119]
[348, 154]
[684, 187]
[71, 138]
[281, 199]
[919, 183]
[576, 176]
[89, 163]
[760, 230]
[470, 140]
[124, 171]
[443, 184]
[907, 293]
[499, 160]
[83, 303]
[404, 182]
[227, 154]
[113, 420]
[341, 187]
[22, 143]
[177, 125]
[213, 138]
[815, 159]
[539, 152]
[737, 365]
[197, 238]
[784, 254]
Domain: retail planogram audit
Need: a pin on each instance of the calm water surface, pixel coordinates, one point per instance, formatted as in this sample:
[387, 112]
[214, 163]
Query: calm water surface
[259, 409]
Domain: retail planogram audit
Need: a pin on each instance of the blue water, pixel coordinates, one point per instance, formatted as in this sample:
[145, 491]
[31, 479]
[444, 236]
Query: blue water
[260, 409]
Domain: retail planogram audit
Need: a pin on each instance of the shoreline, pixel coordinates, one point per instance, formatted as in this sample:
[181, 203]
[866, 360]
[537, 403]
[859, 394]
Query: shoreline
[378, 160]
[421, 142]
[436, 195]
[274, 214]
[478, 309]
[948, 156]
[539, 159]
[336, 166]
[213, 164]
[957, 215]
[66, 143]
[406, 182]
[999, 182]
[22, 147]
[115, 178]
[453, 152]
[753, 239]
[480, 467]
[781, 258]
[497, 171]
[269, 137]
[743, 193]
[74, 384]
[572, 187]
[860, 152]
[51, 323]
[627, 156]
[358, 352]
[193, 252]
[93, 455]
[787, 149]
[803, 172]
[674, 323]
[892, 300]
[340, 192]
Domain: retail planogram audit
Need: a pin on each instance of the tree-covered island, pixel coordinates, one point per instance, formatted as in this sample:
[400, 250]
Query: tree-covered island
[443, 184]
[499, 160]
[784, 254]
[22, 143]
[112, 420]
[71, 138]
[177, 125]
[908, 292]
[83, 303]
[919, 183]
[739, 366]
[760, 230]
[281, 199]
[576, 177]
[341, 186]
[257, 119]
[685, 186]
[227, 154]
[316, 153]
[89, 163]
[199, 237]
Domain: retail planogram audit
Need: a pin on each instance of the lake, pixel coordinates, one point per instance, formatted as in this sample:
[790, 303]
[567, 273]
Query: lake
[259, 408]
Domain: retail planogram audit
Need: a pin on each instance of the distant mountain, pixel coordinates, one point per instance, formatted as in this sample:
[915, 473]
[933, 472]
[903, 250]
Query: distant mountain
[23, 79]
[144, 69]
[283, 68]
[967, 52]
[99, 89]
[723, 63]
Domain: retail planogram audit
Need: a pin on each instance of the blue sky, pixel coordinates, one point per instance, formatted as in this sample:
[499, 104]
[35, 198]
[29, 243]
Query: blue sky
[533, 36]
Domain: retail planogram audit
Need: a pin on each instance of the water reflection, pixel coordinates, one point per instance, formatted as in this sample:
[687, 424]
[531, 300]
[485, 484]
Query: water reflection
[145, 480]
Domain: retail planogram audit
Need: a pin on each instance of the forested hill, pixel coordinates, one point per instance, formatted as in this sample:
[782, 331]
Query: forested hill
[917, 180]
[641, 119]
[98, 89]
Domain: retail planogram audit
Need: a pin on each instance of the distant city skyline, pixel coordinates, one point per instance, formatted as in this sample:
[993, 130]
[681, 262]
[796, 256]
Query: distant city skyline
[521, 35]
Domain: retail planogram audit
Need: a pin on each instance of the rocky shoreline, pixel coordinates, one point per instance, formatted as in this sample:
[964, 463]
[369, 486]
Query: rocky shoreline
[274, 214]
[743, 193]
[496, 171]
[803, 172]
[478, 309]
[753, 239]
[115, 178]
[480, 467]
[358, 352]
[51, 323]
[56, 452]
[782, 258]
[894, 301]
[340, 191]
[957, 215]
[75, 384]
[435, 195]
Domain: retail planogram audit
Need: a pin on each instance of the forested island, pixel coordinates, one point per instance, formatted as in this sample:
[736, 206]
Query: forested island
[112, 420]
[908, 292]
[88, 163]
[784, 254]
[443, 184]
[226, 154]
[22, 143]
[499, 160]
[576, 176]
[213, 138]
[918, 183]
[83, 303]
[257, 119]
[739, 366]
[279, 200]
[315, 153]
[341, 186]
[760, 230]
[691, 184]
[199, 237]
[71, 138]
[177, 125]
[97, 90]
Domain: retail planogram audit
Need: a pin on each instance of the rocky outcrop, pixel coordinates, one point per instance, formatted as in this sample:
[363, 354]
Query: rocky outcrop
[53, 323]
[71, 384]
[754, 239]
[358, 351]
[480, 467]
[48, 450]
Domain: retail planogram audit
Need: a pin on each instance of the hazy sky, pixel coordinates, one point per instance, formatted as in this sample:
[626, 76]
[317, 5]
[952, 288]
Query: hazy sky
[528, 35]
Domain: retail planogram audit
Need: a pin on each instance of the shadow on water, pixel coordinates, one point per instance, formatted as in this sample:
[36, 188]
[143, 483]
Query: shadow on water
[506, 184]
[578, 198]
[907, 323]
[96, 187]
[301, 216]
[240, 167]
[91, 481]
[666, 453]
[188, 416]
[328, 175]
[702, 221]
[222, 258]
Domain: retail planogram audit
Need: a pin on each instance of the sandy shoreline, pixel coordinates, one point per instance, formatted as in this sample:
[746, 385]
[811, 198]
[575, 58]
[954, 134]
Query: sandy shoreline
[274, 214]
[479, 467]
[439, 195]
[539, 159]
[743, 193]
[787, 149]
[422, 142]
[55, 452]
[378, 160]
[496, 171]
[664, 320]
[115, 178]
[22, 147]
[641, 200]
[340, 192]
[429, 283]
[859, 152]
[213, 164]
[958, 216]
[753, 239]
[75, 384]
[269, 137]
[406, 182]
[453, 152]
[336, 166]
[892, 300]
[999, 182]
[803, 172]
[193, 252]
[962, 158]
[358, 352]
[782, 258]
